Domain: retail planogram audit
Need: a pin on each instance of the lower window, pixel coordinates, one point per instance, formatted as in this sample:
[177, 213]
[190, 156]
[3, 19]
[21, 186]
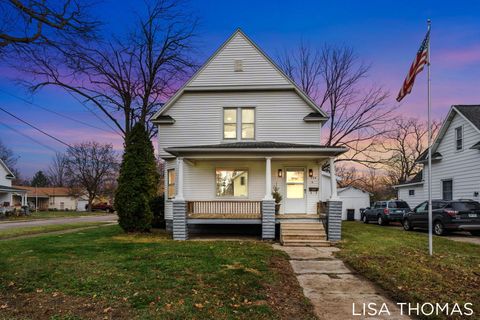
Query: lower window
[447, 189]
[231, 182]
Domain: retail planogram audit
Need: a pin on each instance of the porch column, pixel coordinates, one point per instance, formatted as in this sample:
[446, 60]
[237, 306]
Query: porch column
[334, 208]
[268, 204]
[333, 180]
[268, 179]
[180, 228]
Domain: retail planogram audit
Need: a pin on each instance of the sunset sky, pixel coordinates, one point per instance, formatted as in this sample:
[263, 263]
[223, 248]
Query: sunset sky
[385, 34]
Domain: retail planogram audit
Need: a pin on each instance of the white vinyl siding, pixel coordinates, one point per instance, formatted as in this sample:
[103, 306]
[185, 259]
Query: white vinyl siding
[412, 200]
[256, 70]
[461, 167]
[3, 177]
[199, 118]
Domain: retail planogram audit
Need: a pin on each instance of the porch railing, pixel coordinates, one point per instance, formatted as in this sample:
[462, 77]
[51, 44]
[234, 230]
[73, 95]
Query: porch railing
[228, 209]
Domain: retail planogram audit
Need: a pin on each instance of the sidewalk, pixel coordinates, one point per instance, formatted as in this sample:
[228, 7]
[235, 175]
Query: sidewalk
[332, 287]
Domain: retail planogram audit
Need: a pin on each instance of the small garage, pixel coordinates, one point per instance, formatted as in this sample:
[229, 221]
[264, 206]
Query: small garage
[353, 200]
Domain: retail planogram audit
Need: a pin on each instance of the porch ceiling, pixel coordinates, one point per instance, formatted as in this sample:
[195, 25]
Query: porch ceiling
[257, 150]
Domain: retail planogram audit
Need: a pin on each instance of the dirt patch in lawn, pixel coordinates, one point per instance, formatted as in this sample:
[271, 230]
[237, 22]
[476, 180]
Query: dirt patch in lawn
[41, 305]
[286, 295]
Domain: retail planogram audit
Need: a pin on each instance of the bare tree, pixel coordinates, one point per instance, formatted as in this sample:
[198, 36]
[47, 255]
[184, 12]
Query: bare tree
[57, 170]
[374, 182]
[349, 176]
[90, 166]
[40, 21]
[124, 78]
[7, 156]
[336, 79]
[403, 145]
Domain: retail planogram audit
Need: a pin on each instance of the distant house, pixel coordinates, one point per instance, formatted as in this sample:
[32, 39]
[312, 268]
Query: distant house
[455, 160]
[7, 192]
[59, 198]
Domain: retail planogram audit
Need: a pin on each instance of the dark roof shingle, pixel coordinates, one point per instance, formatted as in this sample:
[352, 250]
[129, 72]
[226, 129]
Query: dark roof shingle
[471, 112]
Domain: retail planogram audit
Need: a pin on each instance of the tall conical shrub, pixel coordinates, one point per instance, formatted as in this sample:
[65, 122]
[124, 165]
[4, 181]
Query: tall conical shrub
[137, 182]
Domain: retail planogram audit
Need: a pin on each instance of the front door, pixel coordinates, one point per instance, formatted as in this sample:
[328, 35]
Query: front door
[295, 190]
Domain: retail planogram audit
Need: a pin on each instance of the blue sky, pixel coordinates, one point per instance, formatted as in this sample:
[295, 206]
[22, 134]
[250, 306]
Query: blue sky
[385, 34]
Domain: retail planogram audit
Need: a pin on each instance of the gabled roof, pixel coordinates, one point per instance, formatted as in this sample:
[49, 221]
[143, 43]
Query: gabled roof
[471, 113]
[290, 83]
[417, 179]
[9, 172]
[424, 156]
[340, 190]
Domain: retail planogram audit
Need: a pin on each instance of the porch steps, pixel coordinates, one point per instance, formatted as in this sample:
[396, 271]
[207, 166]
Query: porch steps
[303, 234]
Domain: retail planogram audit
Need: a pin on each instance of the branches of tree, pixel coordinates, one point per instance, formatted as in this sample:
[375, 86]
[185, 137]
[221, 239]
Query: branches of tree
[403, 145]
[57, 171]
[336, 79]
[126, 78]
[39, 22]
[40, 180]
[89, 167]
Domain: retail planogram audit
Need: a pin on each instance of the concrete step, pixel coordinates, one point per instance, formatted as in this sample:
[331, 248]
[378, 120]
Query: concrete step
[309, 243]
[288, 237]
[301, 226]
[303, 231]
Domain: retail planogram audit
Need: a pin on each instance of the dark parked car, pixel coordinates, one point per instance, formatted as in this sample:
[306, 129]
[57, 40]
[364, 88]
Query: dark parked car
[461, 215]
[384, 212]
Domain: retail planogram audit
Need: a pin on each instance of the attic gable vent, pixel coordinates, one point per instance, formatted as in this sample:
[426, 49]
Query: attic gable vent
[238, 65]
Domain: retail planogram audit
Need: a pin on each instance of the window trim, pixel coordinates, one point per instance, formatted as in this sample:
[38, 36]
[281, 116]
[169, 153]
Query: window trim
[230, 169]
[239, 124]
[236, 123]
[461, 139]
[170, 183]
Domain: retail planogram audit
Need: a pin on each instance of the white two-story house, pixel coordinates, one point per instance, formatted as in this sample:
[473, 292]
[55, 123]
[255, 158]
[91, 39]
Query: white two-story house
[235, 131]
[455, 160]
[7, 192]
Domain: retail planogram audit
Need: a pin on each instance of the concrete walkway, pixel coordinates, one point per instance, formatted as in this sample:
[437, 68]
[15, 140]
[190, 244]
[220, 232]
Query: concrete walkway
[46, 222]
[333, 288]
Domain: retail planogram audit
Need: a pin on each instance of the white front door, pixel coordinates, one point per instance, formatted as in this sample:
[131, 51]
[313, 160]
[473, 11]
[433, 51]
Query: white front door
[295, 190]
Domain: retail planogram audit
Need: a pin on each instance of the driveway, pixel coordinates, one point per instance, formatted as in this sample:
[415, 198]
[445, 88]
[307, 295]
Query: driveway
[336, 292]
[46, 222]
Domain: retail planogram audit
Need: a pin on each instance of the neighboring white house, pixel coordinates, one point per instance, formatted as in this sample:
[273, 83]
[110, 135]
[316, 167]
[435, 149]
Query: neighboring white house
[455, 160]
[238, 128]
[7, 192]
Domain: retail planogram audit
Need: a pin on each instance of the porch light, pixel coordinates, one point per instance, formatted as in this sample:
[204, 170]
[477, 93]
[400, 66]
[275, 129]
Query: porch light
[280, 173]
[310, 173]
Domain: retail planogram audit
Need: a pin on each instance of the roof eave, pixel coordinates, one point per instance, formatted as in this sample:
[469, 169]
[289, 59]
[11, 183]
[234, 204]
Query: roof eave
[183, 151]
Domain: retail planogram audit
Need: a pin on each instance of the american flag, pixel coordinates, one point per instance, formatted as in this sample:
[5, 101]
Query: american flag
[421, 59]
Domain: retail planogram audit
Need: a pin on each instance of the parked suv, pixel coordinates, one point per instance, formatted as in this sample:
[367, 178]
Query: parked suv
[446, 215]
[384, 212]
[101, 207]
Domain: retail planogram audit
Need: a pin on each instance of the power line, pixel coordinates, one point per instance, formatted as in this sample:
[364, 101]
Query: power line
[34, 127]
[95, 114]
[28, 137]
[55, 112]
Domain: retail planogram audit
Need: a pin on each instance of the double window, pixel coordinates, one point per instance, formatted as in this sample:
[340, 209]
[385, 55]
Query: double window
[231, 182]
[239, 122]
[459, 138]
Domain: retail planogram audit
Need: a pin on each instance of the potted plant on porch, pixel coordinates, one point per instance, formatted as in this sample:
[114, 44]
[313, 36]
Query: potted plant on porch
[277, 196]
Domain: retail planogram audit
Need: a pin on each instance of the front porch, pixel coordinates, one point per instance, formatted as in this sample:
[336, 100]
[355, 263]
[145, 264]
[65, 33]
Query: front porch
[212, 186]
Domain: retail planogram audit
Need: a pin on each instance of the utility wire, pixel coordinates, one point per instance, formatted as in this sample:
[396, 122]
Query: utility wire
[28, 137]
[55, 112]
[34, 127]
[95, 114]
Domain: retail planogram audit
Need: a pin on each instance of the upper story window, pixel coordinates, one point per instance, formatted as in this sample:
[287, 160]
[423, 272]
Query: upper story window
[239, 122]
[459, 138]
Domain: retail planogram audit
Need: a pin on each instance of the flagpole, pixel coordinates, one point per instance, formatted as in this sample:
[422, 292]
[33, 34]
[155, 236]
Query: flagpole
[430, 240]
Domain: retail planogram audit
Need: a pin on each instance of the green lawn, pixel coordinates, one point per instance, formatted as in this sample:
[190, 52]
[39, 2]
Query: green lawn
[52, 214]
[398, 261]
[104, 273]
[23, 231]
